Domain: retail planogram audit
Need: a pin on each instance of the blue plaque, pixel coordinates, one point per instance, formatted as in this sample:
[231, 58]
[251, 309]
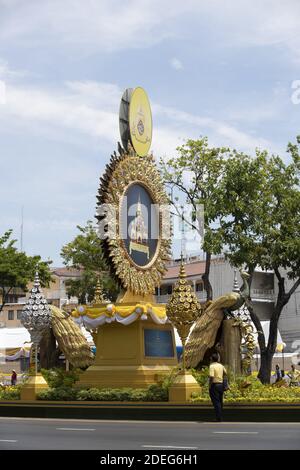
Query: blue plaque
[158, 343]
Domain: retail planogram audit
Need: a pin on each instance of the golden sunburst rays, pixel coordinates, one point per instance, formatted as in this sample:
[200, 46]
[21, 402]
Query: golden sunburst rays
[122, 171]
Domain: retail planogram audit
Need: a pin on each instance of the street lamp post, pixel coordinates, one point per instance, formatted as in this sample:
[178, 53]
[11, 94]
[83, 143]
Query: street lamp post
[280, 348]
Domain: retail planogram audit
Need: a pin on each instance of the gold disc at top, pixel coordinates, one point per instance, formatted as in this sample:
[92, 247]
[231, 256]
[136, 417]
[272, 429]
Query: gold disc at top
[140, 122]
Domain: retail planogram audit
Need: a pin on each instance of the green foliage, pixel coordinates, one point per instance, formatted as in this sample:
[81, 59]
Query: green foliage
[250, 390]
[157, 393]
[60, 378]
[85, 253]
[153, 393]
[204, 165]
[201, 376]
[259, 210]
[10, 393]
[58, 394]
[252, 214]
[17, 269]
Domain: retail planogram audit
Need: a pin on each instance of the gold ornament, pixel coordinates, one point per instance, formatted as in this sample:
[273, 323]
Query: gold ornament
[183, 308]
[99, 298]
[126, 169]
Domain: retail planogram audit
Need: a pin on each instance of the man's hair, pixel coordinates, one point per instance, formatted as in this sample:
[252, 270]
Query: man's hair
[215, 357]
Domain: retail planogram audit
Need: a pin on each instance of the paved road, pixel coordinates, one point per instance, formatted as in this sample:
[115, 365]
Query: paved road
[27, 433]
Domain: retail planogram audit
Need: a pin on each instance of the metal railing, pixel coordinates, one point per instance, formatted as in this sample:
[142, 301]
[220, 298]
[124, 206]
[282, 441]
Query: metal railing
[267, 294]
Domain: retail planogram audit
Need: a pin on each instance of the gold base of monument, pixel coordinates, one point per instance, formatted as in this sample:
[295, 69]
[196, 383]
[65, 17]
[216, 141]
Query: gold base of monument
[121, 359]
[127, 297]
[34, 385]
[120, 377]
[183, 387]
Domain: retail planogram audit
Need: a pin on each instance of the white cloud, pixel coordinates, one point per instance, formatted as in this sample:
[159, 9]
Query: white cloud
[7, 72]
[218, 132]
[60, 110]
[176, 64]
[109, 25]
[246, 23]
[90, 24]
[90, 109]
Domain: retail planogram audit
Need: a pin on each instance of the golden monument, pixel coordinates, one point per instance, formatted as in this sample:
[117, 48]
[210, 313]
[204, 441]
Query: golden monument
[135, 342]
[183, 309]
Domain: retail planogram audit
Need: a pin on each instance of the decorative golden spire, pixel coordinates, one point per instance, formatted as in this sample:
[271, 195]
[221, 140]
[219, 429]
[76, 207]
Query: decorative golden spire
[183, 307]
[98, 296]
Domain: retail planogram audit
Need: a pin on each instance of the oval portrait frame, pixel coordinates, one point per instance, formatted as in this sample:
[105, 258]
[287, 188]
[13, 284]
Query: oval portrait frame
[123, 171]
[156, 253]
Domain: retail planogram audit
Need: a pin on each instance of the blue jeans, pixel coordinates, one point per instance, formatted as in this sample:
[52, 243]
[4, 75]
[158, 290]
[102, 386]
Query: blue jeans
[216, 395]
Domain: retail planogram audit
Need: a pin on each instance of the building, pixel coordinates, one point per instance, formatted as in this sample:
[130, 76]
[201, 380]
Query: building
[289, 322]
[55, 294]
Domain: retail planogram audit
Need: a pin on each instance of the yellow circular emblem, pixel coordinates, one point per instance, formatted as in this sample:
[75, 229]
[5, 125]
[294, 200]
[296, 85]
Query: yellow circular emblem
[140, 122]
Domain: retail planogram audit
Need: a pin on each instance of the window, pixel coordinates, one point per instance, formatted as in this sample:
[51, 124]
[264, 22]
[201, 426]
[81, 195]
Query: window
[199, 287]
[11, 314]
[166, 289]
[19, 314]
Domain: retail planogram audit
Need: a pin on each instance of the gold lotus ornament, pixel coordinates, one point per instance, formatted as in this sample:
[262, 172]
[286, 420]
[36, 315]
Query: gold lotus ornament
[99, 298]
[183, 308]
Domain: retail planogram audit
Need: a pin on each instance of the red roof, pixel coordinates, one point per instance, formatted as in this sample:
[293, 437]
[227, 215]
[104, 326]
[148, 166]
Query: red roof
[191, 269]
[66, 272]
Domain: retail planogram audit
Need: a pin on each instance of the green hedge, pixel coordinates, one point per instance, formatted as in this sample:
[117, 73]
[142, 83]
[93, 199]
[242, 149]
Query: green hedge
[153, 393]
[10, 393]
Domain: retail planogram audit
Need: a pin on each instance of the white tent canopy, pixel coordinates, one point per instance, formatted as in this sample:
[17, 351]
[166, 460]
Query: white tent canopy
[14, 338]
[19, 337]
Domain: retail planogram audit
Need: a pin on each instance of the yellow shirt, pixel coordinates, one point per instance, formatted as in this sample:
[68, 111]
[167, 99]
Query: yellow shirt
[216, 371]
[294, 375]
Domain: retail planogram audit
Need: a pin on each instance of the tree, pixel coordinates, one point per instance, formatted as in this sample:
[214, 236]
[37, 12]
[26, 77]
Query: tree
[252, 214]
[259, 203]
[17, 269]
[85, 253]
[196, 173]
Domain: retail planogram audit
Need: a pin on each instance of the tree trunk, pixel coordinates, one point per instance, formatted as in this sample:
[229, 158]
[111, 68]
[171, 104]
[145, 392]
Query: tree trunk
[205, 278]
[3, 297]
[264, 374]
[48, 351]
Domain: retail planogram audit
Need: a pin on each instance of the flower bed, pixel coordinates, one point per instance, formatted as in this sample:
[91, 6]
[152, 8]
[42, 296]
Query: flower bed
[248, 390]
[10, 392]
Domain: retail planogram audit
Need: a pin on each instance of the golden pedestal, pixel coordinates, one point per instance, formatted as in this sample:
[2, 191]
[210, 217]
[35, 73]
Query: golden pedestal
[183, 387]
[34, 384]
[121, 360]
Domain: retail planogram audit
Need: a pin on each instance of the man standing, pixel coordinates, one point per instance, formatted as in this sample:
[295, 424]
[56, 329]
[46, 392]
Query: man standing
[216, 388]
[294, 376]
[13, 379]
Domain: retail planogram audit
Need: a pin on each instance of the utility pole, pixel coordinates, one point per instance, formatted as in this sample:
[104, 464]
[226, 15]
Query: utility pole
[22, 224]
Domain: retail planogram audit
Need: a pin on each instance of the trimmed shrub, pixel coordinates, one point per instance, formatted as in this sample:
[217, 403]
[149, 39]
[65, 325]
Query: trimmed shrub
[60, 393]
[10, 393]
[60, 378]
[153, 393]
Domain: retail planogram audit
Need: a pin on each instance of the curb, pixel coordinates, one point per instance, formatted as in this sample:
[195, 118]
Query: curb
[154, 411]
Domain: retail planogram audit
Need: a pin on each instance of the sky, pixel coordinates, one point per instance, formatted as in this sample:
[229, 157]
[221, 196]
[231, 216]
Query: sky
[226, 70]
